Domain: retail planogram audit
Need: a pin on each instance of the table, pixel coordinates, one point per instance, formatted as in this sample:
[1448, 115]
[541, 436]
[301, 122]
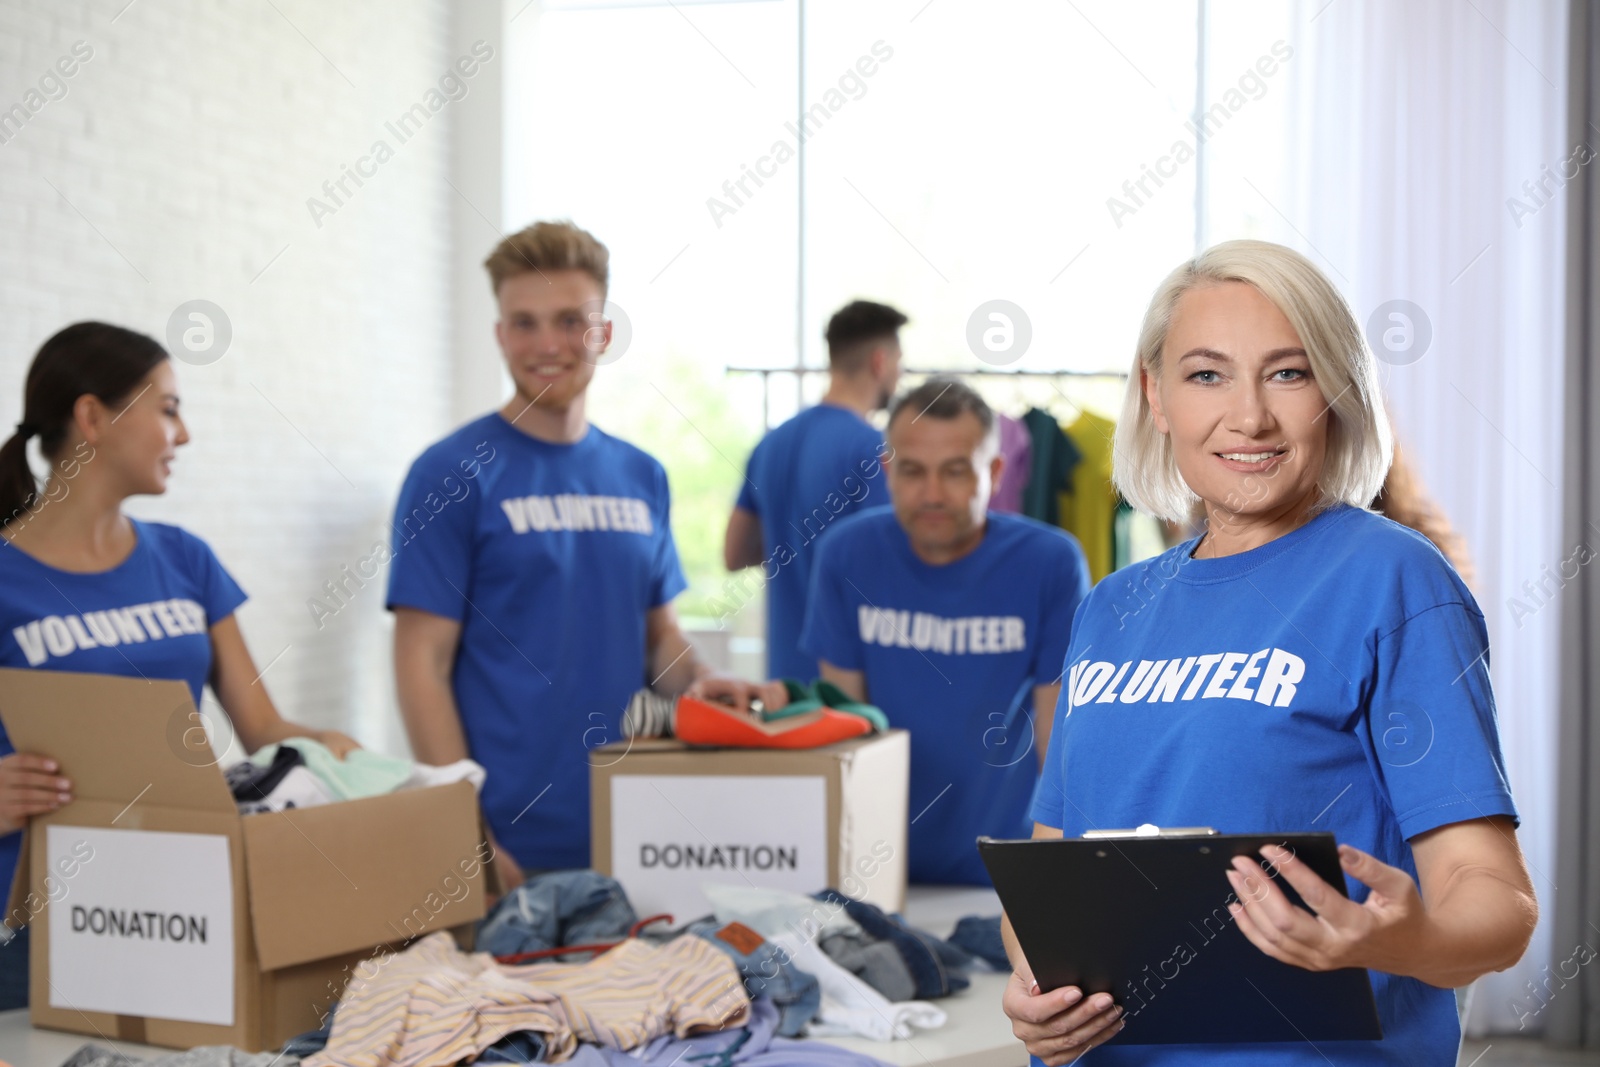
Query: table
[976, 1035]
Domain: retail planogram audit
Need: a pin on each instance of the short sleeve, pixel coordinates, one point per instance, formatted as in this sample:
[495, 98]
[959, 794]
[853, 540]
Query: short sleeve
[1071, 573]
[666, 573]
[828, 633]
[432, 544]
[220, 595]
[1431, 721]
[1049, 795]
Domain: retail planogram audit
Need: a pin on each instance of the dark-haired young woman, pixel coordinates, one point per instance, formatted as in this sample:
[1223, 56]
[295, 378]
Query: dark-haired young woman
[84, 587]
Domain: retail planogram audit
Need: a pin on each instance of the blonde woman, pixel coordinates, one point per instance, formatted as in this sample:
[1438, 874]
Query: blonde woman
[1303, 664]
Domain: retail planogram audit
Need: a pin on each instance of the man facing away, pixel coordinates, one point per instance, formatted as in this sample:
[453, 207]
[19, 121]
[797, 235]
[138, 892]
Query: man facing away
[812, 471]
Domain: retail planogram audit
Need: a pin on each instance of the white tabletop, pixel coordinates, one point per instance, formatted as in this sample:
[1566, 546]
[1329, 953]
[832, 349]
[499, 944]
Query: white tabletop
[976, 1035]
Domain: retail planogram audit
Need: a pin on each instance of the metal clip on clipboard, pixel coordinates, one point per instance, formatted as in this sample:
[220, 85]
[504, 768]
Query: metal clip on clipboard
[1151, 830]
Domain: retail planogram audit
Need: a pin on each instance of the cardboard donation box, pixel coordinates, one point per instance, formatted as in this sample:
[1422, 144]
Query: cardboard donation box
[668, 818]
[161, 915]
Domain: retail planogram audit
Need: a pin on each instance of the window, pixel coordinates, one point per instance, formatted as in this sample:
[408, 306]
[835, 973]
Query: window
[755, 165]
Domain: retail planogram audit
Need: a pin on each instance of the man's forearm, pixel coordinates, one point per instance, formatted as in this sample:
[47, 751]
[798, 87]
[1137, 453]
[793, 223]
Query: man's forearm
[433, 722]
[675, 665]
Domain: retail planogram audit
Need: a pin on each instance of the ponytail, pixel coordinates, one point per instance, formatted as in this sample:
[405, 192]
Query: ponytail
[86, 358]
[17, 485]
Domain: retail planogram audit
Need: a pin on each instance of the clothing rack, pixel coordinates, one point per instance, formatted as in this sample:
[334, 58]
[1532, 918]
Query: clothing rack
[920, 372]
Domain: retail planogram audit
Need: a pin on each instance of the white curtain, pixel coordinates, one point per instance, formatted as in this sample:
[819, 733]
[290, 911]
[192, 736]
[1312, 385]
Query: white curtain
[1411, 130]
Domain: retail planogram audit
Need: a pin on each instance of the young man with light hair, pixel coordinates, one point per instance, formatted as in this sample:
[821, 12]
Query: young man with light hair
[818, 467]
[955, 621]
[534, 595]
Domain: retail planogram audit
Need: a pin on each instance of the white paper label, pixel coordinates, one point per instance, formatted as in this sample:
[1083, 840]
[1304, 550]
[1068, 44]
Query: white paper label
[145, 926]
[672, 833]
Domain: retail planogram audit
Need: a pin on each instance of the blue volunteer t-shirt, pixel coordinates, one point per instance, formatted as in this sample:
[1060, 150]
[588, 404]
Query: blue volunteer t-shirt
[1336, 678]
[150, 616]
[802, 478]
[549, 556]
[952, 654]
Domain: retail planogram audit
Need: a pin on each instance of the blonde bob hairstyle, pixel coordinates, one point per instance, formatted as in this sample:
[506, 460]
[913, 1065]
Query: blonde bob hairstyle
[1360, 444]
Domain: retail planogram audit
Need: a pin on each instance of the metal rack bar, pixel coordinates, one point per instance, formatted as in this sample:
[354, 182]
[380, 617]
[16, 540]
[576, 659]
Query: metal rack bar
[920, 372]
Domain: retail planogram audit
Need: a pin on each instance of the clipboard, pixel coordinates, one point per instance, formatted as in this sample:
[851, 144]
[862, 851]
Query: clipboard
[1142, 915]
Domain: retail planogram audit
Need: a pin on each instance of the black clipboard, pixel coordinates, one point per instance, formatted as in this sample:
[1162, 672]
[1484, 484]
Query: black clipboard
[1143, 915]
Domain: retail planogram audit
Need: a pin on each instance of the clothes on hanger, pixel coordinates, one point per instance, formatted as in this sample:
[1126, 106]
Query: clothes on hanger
[1087, 509]
[1016, 445]
[1053, 459]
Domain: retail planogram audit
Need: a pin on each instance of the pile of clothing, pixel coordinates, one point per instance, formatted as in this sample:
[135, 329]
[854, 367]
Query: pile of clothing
[829, 965]
[738, 987]
[794, 716]
[302, 773]
[875, 973]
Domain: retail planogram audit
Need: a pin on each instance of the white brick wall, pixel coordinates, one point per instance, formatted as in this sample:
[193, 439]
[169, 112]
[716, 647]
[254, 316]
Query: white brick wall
[190, 142]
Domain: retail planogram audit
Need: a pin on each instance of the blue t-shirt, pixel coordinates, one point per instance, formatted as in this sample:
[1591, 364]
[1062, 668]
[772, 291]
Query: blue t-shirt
[1336, 678]
[549, 556]
[150, 616]
[952, 654]
[802, 478]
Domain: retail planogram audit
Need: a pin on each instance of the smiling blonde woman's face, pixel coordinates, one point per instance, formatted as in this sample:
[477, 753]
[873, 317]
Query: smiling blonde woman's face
[1236, 397]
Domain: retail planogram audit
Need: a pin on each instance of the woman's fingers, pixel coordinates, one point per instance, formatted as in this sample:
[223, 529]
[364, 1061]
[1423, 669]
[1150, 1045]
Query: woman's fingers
[339, 744]
[31, 804]
[1061, 1025]
[1267, 904]
[30, 761]
[1092, 1023]
[1267, 939]
[1319, 896]
[16, 804]
[36, 780]
[29, 786]
[1380, 877]
[1036, 1011]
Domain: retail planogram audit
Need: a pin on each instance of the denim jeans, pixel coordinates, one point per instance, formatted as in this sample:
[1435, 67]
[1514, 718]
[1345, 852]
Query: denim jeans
[554, 909]
[524, 1046]
[932, 962]
[312, 1041]
[980, 935]
[14, 971]
[767, 972]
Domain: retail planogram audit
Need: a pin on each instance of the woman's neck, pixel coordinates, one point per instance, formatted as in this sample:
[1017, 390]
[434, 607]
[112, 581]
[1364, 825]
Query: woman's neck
[74, 526]
[1230, 532]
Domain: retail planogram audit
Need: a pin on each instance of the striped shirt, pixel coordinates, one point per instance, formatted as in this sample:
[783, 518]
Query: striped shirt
[436, 1004]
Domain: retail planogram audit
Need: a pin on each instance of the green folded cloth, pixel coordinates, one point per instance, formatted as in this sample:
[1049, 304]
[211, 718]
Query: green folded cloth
[839, 700]
[801, 700]
[362, 773]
